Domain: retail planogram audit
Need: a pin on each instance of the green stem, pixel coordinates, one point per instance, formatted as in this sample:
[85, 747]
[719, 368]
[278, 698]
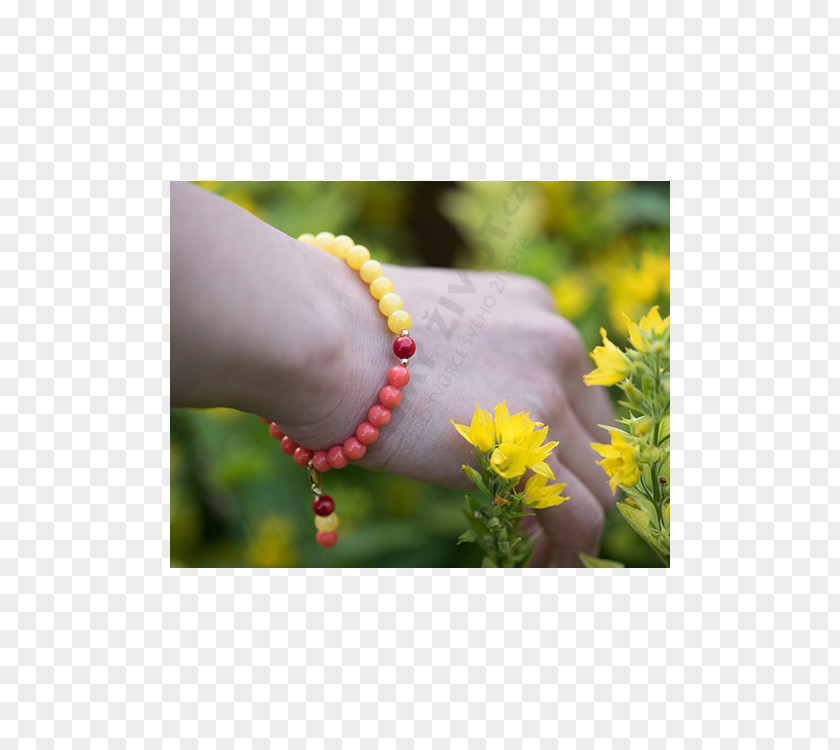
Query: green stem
[657, 496]
[654, 472]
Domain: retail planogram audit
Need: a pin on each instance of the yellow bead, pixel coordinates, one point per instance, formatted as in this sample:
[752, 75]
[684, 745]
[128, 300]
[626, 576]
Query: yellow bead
[327, 523]
[341, 245]
[357, 256]
[309, 239]
[370, 271]
[390, 303]
[324, 240]
[381, 286]
[399, 321]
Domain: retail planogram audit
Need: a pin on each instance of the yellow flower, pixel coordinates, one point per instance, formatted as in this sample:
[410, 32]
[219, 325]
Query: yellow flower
[650, 324]
[641, 426]
[272, 545]
[572, 294]
[619, 460]
[658, 267]
[612, 364]
[509, 428]
[538, 495]
[480, 433]
[512, 459]
[515, 441]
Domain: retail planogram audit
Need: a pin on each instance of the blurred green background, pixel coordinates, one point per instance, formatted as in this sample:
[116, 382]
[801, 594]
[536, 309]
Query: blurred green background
[602, 247]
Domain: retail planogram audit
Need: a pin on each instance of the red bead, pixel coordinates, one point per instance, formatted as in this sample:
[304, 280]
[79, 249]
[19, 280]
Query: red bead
[323, 505]
[275, 431]
[354, 449]
[319, 461]
[302, 456]
[367, 433]
[379, 416]
[337, 457]
[404, 347]
[288, 446]
[267, 421]
[326, 538]
[398, 376]
[390, 396]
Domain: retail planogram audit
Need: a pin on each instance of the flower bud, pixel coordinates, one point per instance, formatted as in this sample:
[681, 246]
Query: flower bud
[641, 426]
[467, 536]
[651, 454]
[634, 395]
[493, 523]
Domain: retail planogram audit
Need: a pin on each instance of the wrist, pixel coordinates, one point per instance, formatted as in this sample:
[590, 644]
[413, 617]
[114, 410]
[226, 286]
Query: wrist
[323, 389]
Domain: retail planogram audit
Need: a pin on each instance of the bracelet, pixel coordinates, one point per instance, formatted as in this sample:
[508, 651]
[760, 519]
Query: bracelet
[379, 415]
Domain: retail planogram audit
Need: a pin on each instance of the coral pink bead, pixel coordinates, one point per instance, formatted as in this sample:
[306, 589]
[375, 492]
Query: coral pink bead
[398, 376]
[275, 431]
[326, 538]
[367, 433]
[390, 396]
[404, 347]
[323, 505]
[379, 416]
[337, 457]
[319, 461]
[354, 449]
[302, 456]
[288, 446]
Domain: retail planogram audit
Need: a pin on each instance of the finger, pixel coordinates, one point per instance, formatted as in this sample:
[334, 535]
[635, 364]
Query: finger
[530, 528]
[541, 558]
[590, 403]
[534, 292]
[573, 449]
[575, 525]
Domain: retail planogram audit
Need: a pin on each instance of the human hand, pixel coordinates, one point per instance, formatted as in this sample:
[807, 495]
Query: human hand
[507, 343]
[266, 324]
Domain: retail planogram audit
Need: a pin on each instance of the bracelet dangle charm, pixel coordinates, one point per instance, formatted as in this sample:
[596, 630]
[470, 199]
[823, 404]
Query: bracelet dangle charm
[379, 415]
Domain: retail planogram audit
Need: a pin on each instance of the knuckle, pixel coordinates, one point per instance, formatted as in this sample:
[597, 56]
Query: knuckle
[537, 292]
[570, 340]
[551, 404]
[561, 338]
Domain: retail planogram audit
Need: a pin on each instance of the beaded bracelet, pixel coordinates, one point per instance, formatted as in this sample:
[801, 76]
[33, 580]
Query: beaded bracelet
[338, 456]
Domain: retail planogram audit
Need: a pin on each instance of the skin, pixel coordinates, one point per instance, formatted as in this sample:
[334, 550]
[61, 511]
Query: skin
[268, 325]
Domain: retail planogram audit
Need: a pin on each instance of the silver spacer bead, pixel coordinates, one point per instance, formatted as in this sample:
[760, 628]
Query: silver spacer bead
[404, 362]
[403, 333]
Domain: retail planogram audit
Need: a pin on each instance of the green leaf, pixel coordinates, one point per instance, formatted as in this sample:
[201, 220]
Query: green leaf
[647, 528]
[632, 407]
[473, 504]
[665, 469]
[467, 536]
[594, 562]
[474, 523]
[488, 563]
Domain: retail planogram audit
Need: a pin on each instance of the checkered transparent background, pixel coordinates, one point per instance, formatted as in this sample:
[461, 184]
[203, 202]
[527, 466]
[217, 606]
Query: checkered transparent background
[104, 646]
